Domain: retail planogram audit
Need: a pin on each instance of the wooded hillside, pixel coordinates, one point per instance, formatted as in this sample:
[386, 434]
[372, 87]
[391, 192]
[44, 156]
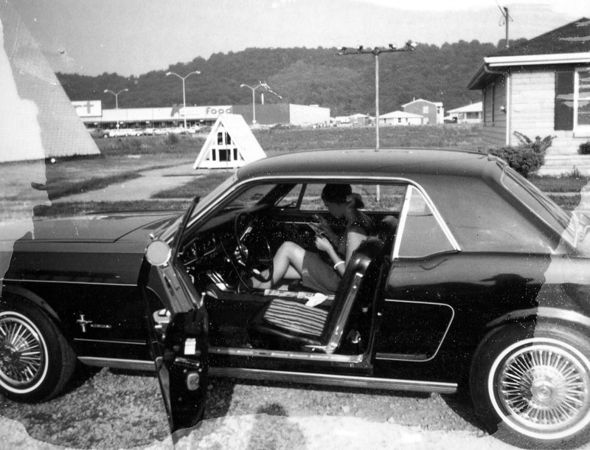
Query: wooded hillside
[301, 75]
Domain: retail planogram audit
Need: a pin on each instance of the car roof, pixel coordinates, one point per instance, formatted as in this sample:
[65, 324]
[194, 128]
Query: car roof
[368, 162]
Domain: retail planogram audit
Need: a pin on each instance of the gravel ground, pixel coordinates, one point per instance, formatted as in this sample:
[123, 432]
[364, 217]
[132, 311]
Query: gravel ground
[111, 409]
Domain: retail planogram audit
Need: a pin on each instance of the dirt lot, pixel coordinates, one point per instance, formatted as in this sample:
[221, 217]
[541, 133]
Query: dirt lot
[119, 410]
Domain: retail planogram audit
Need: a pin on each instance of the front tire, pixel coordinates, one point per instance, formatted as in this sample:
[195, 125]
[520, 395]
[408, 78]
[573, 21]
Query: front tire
[530, 385]
[35, 359]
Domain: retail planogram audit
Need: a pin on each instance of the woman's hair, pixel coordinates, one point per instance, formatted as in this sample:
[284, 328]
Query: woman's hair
[341, 193]
[336, 193]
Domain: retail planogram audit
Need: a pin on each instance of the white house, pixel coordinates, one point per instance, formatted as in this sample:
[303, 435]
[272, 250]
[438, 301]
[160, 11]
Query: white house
[471, 113]
[230, 144]
[397, 118]
[540, 88]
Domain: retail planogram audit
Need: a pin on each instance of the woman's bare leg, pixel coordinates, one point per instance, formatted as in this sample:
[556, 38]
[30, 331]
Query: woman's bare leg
[287, 264]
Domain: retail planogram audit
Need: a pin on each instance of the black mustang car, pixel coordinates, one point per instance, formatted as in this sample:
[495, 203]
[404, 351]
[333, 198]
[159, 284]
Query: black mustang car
[472, 279]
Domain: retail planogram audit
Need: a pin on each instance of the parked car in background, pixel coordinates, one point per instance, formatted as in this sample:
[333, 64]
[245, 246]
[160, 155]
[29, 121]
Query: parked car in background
[472, 279]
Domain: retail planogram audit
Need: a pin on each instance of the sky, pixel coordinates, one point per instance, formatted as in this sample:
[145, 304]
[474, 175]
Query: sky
[133, 37]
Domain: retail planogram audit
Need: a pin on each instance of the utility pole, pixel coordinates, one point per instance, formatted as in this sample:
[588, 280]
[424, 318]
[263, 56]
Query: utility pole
[376, 51]
[506, 19]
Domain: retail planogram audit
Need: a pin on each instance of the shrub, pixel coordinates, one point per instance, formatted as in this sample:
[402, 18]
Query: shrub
[584, 148]
[522, 159]
[527, 157]
[172, 139]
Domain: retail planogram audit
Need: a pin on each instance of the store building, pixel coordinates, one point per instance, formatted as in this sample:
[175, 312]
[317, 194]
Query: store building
[94, 116]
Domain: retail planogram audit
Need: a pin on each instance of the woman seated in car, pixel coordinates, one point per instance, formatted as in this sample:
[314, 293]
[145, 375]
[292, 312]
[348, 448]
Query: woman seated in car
[293, 262]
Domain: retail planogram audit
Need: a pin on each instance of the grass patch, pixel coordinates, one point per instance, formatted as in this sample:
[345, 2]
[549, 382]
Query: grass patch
[57, 190]
[81, 208]
[293, 139]
[151, 145]
[199, 186]
[566, 183]
[567, 202]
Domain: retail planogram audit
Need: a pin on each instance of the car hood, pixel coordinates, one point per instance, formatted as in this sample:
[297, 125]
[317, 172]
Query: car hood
[89, 228]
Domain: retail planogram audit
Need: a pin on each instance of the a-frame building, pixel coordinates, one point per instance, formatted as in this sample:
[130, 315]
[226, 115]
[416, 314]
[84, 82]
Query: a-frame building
[230, 144]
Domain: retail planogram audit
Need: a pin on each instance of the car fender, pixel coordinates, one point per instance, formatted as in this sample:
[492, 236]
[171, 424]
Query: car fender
[20, 291]
[538, 314]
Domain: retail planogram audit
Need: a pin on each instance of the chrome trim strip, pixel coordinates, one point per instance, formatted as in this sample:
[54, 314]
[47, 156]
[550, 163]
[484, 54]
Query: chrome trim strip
[109, 341]
[402, 223]
[336, 336]
[27, 280]
[131, 364]
[335, 380]
[282, 354]
[390, 357]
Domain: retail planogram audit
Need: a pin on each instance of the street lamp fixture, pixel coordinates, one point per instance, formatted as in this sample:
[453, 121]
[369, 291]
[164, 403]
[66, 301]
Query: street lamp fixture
[116, 94]
[409, 46]
[183, 78]
[262, 85]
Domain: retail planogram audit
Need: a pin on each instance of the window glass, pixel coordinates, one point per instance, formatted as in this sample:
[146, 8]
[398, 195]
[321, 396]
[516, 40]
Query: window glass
[384, 198]
[422, 234]
[291, 198]
[583, 109]
[250, 197]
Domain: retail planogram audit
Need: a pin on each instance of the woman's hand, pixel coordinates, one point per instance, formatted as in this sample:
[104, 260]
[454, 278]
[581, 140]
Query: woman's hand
[322, 243]
[327, 229]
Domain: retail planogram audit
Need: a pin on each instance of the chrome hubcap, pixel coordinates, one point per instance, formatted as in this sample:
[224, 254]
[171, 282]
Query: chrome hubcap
[21, 353]
[544, 388]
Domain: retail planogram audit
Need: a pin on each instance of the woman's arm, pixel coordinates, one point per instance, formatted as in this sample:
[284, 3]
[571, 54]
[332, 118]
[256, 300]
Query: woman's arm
[353, 240]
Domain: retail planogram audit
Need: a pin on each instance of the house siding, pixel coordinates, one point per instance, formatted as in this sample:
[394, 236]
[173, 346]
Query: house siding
[418, 107]
[532, 99]
[494, 125]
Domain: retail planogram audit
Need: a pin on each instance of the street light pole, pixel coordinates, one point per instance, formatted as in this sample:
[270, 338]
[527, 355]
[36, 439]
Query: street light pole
[116, 94]
[260, 84]
[408, 47]
[196, 72]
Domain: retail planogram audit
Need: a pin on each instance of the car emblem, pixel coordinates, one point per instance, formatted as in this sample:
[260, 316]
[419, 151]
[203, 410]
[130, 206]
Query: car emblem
[83, 322]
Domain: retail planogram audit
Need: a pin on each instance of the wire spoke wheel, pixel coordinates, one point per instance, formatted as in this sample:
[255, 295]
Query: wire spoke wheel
[23, 352]
[542, 388]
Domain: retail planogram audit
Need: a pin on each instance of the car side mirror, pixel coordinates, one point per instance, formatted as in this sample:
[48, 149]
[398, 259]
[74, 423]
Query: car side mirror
[158, 253]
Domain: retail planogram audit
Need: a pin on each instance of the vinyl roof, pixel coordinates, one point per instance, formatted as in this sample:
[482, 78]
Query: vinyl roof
[368, 162]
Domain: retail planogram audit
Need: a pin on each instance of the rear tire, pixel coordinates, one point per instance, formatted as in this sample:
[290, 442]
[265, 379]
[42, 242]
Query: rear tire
[530, 385]
[36, 361]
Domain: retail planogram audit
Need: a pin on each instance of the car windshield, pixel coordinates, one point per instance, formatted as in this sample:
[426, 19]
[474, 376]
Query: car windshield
[170, 232]
[541, 205]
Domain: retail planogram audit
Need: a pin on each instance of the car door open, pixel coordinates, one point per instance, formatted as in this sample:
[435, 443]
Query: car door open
[177, 334]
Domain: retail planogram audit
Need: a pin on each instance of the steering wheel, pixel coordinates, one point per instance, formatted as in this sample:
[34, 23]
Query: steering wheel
[253, 252]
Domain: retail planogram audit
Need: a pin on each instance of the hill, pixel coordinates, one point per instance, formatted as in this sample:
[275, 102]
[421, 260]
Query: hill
[301, 75]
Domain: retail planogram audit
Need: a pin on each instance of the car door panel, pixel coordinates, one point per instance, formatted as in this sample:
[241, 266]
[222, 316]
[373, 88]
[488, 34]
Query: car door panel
[180, 349]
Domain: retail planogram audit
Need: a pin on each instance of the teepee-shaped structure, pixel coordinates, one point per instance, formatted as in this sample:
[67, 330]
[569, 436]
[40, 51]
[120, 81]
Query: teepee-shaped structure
[38, 119]
[230, 144]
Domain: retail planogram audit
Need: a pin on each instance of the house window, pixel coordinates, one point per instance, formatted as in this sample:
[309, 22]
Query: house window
[582, 99]
[425, 110]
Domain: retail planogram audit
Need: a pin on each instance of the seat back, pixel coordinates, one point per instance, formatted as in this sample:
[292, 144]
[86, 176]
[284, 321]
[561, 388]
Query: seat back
[368, 252]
